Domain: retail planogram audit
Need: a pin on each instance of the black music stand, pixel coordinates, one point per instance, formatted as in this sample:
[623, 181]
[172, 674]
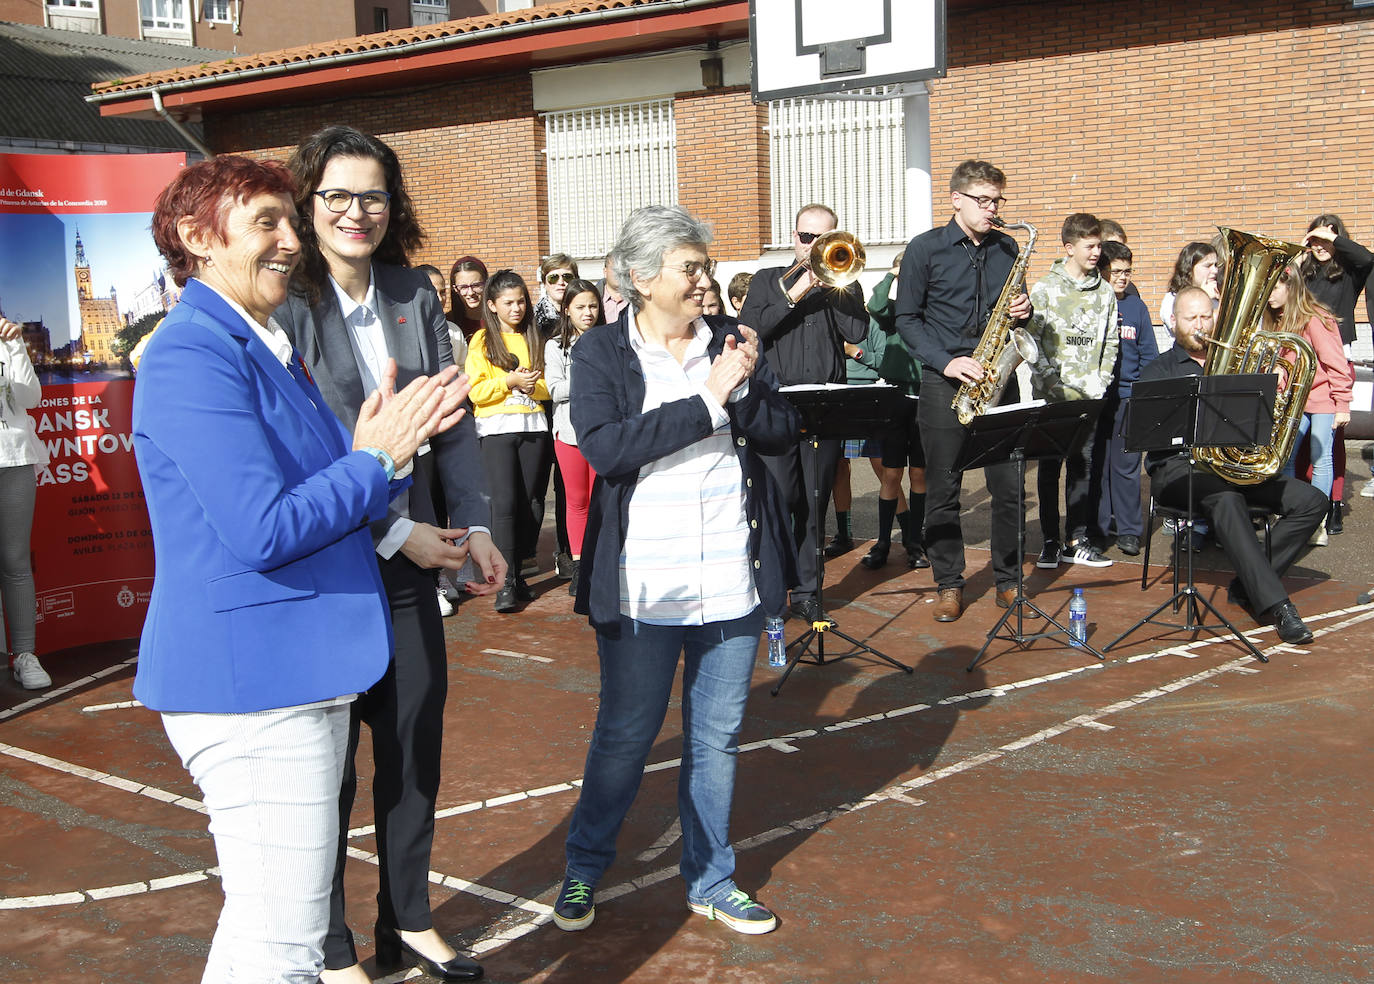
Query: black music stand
[836, 412]
[1020, 433]
[1190, 412]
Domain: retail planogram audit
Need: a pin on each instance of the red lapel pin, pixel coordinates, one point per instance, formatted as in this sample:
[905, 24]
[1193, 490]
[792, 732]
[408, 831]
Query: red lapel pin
[400, 321]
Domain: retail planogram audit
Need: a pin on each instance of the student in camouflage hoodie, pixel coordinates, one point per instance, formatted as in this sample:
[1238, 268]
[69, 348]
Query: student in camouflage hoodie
[1073, 325]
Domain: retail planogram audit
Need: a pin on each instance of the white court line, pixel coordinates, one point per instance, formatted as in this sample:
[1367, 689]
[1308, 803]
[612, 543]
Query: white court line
[513, 655]
[104, 778]
[544, 913]
[116, 706]
[48, 696]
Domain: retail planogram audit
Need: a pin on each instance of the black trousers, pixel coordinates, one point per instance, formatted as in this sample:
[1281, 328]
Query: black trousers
[1300, 507]
[516, 464]
[1077, 466]
[797, 476]
[942, 437]
[404, 711]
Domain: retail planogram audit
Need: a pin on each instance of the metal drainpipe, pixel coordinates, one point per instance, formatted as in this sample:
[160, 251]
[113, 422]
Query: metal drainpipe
[178, 126]
[397, 51]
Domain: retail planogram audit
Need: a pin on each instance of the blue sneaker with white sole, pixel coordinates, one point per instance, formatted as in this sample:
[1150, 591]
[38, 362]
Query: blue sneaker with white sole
[738, 911]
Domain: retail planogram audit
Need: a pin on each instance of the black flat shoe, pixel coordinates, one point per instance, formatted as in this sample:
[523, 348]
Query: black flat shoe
[916, 557]
[393, 951]
[838, 545]
[876, 556]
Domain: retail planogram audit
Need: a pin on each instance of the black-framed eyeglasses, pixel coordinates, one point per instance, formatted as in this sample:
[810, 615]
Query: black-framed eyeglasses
[560, 276]
[476, 288]
[984, 202]
[339, 200]
[807, 238]
[693, 269]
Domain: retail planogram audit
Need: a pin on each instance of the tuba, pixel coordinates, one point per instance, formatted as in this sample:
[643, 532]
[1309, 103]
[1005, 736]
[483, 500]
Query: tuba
[1239, 344]
[1003, 345]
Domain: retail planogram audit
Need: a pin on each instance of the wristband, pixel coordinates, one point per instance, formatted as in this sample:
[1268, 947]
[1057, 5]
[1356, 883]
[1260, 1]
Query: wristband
[385, 460]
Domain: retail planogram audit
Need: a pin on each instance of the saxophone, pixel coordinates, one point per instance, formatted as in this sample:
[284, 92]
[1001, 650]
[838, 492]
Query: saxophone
[998, 358]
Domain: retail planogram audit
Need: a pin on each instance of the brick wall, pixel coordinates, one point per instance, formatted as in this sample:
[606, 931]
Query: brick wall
[722, 167]
[1190, 117]
[471, 152]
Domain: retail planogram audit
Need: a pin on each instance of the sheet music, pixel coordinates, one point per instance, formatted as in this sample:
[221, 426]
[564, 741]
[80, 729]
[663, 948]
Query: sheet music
[1013, 407]
[803, 387]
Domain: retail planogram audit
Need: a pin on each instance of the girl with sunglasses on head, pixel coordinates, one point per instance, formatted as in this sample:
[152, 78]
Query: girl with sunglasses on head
[1293, 308]
[581, 309]
[1336, 270]
[506, 366]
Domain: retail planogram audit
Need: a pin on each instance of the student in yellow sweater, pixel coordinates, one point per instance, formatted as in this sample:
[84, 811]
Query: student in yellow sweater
[506, 365]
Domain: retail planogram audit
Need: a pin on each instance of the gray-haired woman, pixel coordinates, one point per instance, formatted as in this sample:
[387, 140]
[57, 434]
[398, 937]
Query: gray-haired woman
[687, 548]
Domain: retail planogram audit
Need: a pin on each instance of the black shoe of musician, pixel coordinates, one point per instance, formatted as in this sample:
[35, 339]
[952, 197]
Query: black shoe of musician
[876, 556]
[916, 557]
[1333, 519]
[1289, 624]
[1128, 545]
[838, 545]
[808, 610]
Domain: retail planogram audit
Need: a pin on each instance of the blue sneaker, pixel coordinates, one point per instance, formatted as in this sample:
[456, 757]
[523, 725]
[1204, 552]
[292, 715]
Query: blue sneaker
[740, 913]
[574, 909]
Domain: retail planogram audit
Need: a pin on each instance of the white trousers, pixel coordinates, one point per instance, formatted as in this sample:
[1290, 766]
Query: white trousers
[270, 780]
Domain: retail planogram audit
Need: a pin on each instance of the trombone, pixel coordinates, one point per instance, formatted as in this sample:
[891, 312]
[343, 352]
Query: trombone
[836, 260]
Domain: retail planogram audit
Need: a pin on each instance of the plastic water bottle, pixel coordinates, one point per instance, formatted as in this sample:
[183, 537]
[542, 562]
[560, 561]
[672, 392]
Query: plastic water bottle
[777, 648]
[1078, 619]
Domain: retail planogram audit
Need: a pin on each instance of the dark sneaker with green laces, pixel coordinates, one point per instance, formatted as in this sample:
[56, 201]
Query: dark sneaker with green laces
[739, 912]
[574, 909]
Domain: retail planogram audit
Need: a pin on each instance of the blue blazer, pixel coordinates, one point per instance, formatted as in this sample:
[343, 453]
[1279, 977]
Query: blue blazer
[266, 591]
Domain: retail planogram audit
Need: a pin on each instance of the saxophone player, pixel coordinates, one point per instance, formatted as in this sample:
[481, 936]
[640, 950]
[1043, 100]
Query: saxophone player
[951, 277]
[1301, 507]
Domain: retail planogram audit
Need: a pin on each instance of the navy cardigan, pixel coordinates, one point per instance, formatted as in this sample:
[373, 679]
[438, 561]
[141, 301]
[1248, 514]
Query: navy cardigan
[618, 438]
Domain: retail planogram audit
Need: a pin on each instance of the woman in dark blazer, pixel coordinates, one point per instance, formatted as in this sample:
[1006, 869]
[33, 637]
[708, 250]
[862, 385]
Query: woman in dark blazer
[687, 547]
[357, 305]
[267, 614]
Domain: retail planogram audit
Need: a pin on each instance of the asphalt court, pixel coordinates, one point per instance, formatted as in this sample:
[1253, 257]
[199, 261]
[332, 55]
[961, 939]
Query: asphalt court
[1178, 809]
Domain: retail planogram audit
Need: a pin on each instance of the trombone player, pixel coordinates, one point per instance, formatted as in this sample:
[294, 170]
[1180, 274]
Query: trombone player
[1301, 508]
[803, 325]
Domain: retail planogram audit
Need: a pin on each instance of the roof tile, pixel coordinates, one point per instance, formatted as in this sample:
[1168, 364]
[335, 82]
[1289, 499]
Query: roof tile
[367, 42]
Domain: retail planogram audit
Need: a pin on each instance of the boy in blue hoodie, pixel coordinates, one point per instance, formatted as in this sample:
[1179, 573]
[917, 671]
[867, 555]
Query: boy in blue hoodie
[1074, 326]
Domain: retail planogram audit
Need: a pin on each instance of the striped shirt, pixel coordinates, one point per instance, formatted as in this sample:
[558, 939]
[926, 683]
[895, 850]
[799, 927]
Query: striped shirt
[686, 555]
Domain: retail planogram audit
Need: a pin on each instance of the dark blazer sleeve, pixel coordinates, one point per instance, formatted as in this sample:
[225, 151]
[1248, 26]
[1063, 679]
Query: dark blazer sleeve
[618, 439]
[456, 452]
[765, 415]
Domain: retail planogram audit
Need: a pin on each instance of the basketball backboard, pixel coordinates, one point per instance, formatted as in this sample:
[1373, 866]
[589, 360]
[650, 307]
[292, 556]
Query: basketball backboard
[819, 47]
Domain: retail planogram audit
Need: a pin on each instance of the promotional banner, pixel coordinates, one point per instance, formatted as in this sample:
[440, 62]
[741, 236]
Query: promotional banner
[79, 271]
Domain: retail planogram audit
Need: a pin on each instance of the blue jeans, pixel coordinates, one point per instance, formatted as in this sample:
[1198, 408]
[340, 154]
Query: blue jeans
[1322, 427]
[637, 672]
